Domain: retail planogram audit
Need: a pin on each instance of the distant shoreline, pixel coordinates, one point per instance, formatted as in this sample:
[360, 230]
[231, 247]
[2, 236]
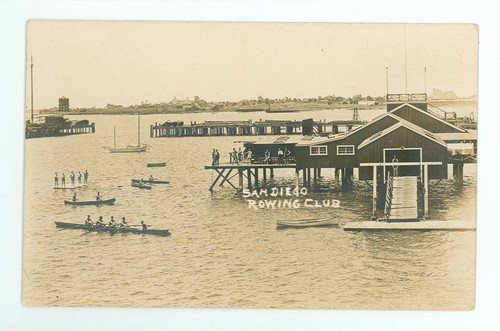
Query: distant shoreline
[275, 108]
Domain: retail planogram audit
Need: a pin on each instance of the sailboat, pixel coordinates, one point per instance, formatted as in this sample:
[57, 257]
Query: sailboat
[130, 148]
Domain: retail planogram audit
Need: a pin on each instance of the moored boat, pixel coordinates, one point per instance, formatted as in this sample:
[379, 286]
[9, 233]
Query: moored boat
[149, 181]
[140, 184]
[76, 226]
[306, 223]
[157, 164]
[90, 203]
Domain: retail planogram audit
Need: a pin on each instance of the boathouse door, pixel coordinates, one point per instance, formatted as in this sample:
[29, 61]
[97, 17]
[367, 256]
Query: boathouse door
[408, 161]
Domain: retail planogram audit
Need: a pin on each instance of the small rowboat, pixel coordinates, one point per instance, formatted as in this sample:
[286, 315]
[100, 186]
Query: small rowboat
[141, 185]
[306, 223]
[90, 203]
[76, 226]
[148, 181]
[157, 164]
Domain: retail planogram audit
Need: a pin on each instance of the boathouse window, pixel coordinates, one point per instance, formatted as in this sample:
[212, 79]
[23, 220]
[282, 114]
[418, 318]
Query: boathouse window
[319, 150]
[345, 150]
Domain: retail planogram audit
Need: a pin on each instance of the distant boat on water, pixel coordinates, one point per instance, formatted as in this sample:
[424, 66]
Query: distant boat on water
[130, 148]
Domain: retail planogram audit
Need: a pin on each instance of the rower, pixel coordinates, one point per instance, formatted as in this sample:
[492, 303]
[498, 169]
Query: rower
[151, 178]
[98, 197]
[144, 226]
[124, 224]
[74, 198]
[88, 221]
[112, 223]
[99, 222]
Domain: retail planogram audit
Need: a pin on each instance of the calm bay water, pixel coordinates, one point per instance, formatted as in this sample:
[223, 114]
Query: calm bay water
[221, 253]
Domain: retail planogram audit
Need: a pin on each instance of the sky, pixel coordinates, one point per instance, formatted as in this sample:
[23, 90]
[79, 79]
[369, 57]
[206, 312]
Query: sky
[94, 63]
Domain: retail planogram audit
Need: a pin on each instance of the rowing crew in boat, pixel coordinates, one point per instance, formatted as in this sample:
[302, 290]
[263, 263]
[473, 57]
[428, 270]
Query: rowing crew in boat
[112, 223]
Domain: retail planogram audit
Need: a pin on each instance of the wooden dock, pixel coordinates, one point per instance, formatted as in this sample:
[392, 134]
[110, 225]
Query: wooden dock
[411, 226]
[247, 170]
[404, 205]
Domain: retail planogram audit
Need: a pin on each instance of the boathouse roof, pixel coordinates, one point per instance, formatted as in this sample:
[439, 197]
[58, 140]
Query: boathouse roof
[403, 123]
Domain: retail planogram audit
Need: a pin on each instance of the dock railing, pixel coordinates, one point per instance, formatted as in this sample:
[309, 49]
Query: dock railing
[388, 196]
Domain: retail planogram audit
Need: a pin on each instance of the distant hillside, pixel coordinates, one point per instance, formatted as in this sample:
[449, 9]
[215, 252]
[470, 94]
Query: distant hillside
[437, 94]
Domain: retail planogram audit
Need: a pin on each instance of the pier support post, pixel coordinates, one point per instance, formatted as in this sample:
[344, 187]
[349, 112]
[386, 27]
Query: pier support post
[337, 179]
[240, 175]
[374, 193]
[344, 179]
[304, 177]
[264, 176]
[249, 178]
[271, 175]
[256, 177]
[319, 172]
[297, 178]
[309, 177]
[426, 191]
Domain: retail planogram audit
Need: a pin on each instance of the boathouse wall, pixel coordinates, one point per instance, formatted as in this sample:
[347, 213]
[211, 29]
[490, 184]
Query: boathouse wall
[405, 138]
[333, 159]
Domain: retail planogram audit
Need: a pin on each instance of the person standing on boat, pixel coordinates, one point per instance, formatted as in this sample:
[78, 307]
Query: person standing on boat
[98, 197]
[213, 157]
[72, 176]
[144, 226]
[85, 176]
[63, 180]
[56, 180]
[74, 198]
[79, 177]
[99, 222]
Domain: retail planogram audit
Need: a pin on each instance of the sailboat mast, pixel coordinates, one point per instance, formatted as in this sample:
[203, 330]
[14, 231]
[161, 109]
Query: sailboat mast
[139, 130]
[32, 89]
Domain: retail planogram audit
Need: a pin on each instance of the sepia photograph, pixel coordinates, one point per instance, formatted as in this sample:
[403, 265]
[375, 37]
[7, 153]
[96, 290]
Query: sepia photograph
[250, 165]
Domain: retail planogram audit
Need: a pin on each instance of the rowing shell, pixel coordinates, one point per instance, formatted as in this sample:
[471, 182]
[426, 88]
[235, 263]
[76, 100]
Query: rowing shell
[306, 223]
[75, 226]
[90, 203]
[68, 187]
[148, 181]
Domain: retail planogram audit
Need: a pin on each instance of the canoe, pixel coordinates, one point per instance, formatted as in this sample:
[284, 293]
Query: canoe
[306, 223]
[76, 226]
[154, 181]
[140, 185]
[68, 187]
[90, 203]
[157, 164]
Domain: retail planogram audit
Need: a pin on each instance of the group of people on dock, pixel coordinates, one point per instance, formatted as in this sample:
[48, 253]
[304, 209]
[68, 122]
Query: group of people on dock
[73, 176]
[111, 224]
[237, 156]
[283, 156]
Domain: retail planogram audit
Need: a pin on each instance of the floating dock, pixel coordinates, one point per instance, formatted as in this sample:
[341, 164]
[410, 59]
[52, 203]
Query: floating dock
[411, 226]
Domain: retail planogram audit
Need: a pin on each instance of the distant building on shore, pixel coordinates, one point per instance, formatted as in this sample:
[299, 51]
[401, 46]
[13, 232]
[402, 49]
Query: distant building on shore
[368, 102]
[63, 104]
